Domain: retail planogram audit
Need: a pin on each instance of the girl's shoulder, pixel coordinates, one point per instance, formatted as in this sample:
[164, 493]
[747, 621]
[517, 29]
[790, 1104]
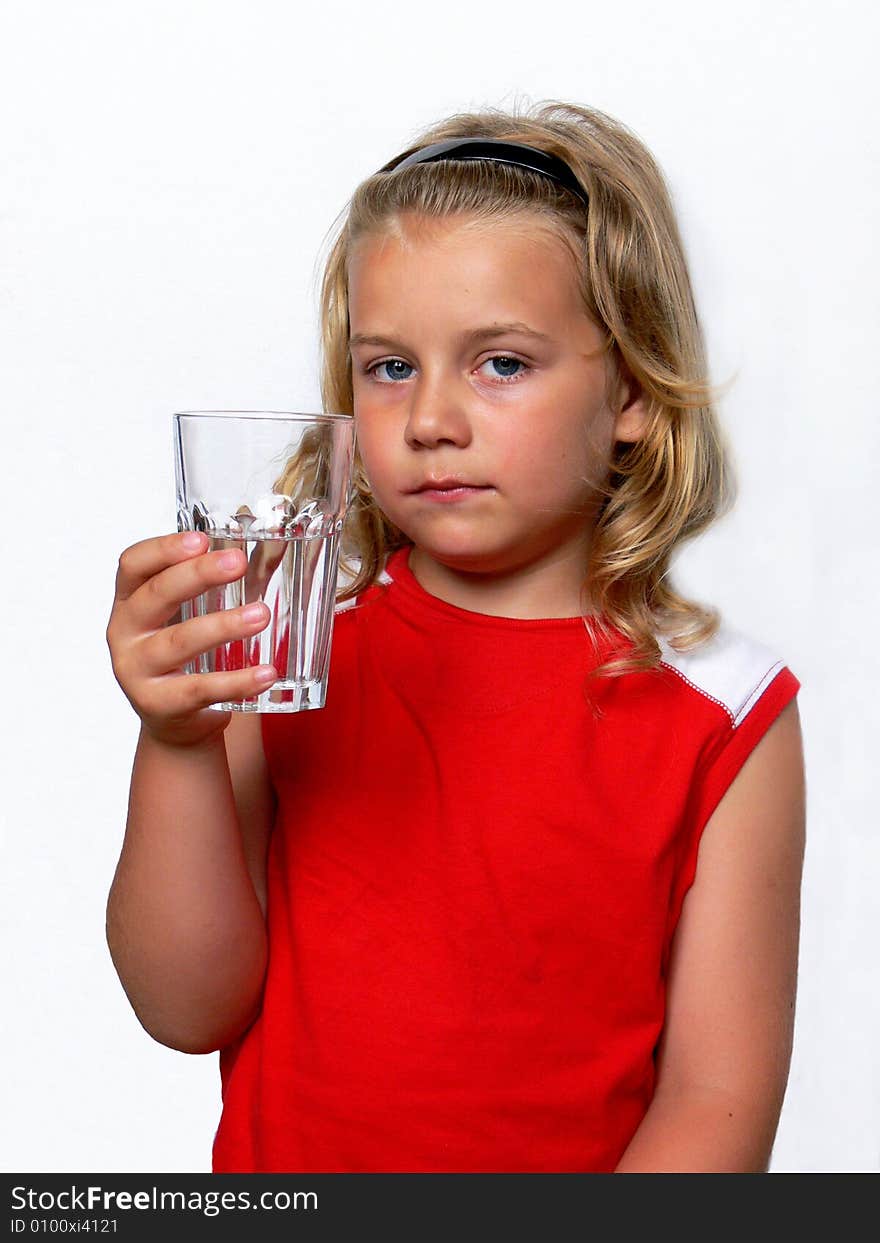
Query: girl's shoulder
[733, 669]
[345, 579]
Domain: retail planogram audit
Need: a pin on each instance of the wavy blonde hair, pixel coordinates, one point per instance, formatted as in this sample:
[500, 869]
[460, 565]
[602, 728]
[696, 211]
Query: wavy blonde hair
[661, 490]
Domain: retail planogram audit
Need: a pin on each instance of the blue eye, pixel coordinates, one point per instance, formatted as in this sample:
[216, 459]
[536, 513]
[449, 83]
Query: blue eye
[503, 358]
[397, 362]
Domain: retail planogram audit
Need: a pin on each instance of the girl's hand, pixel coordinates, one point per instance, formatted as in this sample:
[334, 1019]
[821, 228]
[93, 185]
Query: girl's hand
[154, 578]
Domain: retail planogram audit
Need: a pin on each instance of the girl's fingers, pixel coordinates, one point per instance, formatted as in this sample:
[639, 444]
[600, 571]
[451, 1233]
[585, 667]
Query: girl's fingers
[154, 578]
[183, 694]
[149, 557]
[168, 649]
[159, 597]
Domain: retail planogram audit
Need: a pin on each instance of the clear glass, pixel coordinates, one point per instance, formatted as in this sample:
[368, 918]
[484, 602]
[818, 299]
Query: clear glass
[277, 485]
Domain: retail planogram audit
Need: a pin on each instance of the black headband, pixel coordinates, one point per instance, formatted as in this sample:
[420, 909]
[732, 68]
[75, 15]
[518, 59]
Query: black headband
[495, 149]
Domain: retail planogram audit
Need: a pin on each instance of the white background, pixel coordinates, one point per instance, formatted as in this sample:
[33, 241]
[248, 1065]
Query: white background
[170, 171]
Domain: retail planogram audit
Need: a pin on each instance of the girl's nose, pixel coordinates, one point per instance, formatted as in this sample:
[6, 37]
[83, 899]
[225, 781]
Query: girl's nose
[436, 413]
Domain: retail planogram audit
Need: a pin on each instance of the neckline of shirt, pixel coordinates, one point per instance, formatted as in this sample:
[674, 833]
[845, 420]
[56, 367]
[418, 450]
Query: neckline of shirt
[398, 569]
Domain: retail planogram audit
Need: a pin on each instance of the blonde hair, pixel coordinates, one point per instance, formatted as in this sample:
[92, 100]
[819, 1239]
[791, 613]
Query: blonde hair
[659, 491]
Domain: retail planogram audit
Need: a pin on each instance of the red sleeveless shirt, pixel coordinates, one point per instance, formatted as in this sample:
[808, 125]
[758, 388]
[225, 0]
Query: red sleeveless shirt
[473, 885]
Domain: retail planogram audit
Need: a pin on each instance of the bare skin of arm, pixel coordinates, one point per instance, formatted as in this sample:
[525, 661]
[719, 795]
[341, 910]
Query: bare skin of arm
[724, 1054]
[186, 913]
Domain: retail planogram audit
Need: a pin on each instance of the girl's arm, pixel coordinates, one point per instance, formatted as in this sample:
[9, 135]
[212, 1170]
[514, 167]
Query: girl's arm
[186, 911]
[725, 1051]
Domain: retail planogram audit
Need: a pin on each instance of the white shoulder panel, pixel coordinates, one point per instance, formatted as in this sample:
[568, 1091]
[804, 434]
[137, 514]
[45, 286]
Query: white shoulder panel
[731, 669]
[384, 577]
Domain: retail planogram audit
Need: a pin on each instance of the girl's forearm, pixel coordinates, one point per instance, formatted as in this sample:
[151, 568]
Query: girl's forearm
[184, 926]
[702, 1132]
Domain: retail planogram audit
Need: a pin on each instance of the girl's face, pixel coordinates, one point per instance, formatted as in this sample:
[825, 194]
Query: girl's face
[472, 357]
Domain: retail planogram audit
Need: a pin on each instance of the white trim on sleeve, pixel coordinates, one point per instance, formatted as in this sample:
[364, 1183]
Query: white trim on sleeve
[732, 669]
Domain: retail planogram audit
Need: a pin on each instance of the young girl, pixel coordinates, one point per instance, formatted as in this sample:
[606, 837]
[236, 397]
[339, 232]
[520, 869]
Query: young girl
[524, 896]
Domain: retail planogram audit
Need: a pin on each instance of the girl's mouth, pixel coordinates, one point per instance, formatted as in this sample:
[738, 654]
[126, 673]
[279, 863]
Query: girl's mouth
[451, 494]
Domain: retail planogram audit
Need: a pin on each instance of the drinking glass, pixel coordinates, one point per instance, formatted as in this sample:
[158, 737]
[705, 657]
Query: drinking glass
[278, 486]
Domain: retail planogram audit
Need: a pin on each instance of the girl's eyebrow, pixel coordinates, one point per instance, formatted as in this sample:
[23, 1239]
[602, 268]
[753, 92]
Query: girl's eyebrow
[465, 338]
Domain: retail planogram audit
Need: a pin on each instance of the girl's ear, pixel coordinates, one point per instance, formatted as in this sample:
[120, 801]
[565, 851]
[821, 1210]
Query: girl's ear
[631, 420]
